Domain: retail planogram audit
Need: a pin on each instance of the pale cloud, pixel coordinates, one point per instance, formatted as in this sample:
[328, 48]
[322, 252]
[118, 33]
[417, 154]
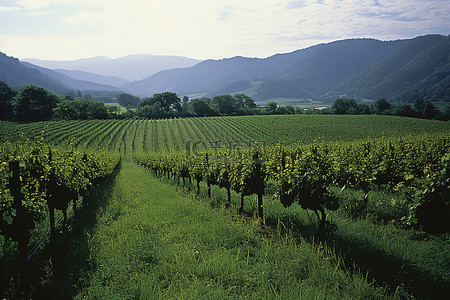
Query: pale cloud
[210, 28]
[39, 4]
[37, 13]
[8, 8]
[36, 4]
[380, 19]
[297, 4]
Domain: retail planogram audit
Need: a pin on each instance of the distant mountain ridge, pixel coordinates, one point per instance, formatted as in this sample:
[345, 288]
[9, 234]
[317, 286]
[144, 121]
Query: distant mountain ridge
[130, 67]
[101, 79]
[406, 72]
[16, 74]
[400, 70]
[73, 83]
[314, 70]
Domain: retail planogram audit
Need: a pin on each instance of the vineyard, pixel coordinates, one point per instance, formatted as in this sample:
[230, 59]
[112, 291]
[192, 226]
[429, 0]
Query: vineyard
[126, 136]
[374, 184]
[306, 173]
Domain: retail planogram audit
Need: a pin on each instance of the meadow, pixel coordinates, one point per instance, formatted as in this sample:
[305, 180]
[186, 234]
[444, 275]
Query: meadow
[137, 235]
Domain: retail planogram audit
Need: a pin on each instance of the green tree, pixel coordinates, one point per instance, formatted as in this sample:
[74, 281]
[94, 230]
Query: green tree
[6, 98]
[34, 103]
[184, 105]
[168, 100]
[160, 105]
[446, 114]
[113, 111]
[149, 108]
[419, 105]
[425, 109]
[364, 109]
[272, 107]
[128, 100]
[151, 111]
[290, 109]
[285, 110]
[429, 111]
[244, 103]
[405, 110]
[81, 109]
[382, 107]
[200, 107]
[345, 107]
[225, 104]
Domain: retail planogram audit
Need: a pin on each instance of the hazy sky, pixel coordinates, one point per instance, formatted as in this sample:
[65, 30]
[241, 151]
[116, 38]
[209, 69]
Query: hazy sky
[69, 29]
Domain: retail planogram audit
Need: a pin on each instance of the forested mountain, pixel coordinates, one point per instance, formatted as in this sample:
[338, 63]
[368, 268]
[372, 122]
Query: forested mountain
[16, 74]
[420, 68]
[101, 79]
[72, 83]
[311, 71]
[401, 70]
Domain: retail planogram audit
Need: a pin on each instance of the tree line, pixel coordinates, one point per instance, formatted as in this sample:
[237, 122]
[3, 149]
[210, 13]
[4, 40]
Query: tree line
[168, 104]
[420, 109]
[34, 103]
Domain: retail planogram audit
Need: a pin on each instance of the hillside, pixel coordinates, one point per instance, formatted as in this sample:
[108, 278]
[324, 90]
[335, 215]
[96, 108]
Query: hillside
[401, 70]
[16, 74]
[73, 83]
[420, 64]
[101, 79]
[313, 71]
[201, 78]
[271, 89]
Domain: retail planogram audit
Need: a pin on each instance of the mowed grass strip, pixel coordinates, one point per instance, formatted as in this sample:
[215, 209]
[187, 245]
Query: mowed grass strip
[152, 242]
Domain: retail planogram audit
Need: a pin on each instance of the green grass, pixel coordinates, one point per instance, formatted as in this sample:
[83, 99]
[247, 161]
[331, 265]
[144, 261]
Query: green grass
[402, 259]
[122, 109]
[298, 102]
[151, 242]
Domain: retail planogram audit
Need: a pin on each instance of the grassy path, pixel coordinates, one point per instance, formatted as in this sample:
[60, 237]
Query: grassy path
[152, 242]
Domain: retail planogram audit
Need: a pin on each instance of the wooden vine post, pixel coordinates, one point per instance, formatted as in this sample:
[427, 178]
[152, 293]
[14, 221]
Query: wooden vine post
[208, 180]
[23, 221]
[51, 189]
[21, 226]
[259, 184]
[228, 187]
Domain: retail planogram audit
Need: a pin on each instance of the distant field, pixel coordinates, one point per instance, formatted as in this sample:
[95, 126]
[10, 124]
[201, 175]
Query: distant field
[298, 102]
[168, 134]
[122, 109]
